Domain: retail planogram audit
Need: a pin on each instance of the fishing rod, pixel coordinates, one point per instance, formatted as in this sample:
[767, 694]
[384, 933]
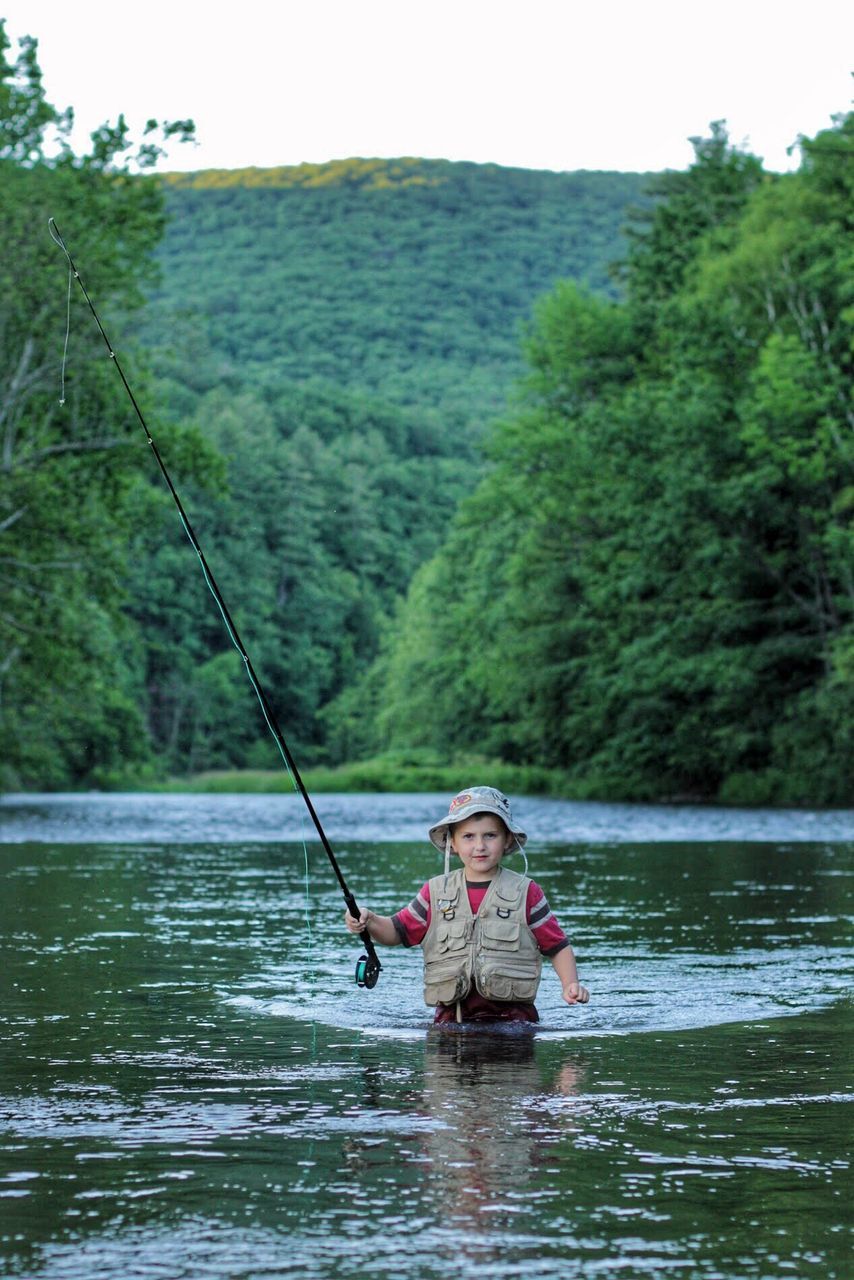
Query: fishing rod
[367, 966]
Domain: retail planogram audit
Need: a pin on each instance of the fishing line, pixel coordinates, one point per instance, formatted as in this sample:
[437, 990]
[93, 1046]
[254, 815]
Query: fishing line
[367, 966]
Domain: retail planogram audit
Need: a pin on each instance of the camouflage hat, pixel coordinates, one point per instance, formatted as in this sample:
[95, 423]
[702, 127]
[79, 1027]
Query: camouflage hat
[472, 801]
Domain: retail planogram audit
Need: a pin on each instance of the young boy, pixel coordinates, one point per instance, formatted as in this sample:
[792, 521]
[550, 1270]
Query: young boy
[483, 928]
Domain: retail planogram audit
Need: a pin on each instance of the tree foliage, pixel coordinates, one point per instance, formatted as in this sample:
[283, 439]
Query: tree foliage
[68, 700]
[407, 280]
[653, 586]
[648, 581]
[330, 502]
[340, 333]
[326, 344]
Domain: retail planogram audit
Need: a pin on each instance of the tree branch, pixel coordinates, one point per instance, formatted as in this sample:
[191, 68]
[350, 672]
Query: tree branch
[817, 611]
[35, 567]
[16, 625]
[71, 446]
[9, 661]
[12, 519]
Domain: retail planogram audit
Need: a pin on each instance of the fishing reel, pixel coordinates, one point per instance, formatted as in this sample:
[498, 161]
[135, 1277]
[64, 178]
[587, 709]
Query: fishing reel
[367, 971]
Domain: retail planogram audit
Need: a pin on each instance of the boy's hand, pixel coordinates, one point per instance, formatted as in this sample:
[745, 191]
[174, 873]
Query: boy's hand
[574, 993]
[357, 926]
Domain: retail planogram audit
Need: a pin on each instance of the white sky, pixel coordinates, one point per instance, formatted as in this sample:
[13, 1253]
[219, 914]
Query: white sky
[543, 84]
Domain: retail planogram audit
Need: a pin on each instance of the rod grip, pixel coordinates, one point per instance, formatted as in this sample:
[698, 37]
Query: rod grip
[364, 936]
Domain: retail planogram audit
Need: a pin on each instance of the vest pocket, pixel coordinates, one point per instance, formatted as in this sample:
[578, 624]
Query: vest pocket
[451, 935]
[500, 935]
[446, 980]
[507, 965]
[447, 972]
[508, 980]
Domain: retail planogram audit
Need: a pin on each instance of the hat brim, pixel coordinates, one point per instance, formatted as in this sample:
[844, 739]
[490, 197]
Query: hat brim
[439, 830]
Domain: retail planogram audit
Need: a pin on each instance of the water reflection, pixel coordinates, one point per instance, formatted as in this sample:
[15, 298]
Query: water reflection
[314, 1153]
[484, 1090]
[192, 1084]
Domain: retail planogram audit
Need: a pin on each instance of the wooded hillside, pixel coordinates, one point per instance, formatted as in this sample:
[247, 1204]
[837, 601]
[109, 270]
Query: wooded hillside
[342, 334]
[466, 484]
[318, 359]
[653, 588]
[408, 279]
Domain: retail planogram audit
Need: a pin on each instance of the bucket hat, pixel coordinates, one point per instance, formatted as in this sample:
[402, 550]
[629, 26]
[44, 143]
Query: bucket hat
[466, 804]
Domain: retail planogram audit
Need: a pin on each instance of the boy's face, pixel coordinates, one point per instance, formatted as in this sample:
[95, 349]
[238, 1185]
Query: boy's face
[480, 842]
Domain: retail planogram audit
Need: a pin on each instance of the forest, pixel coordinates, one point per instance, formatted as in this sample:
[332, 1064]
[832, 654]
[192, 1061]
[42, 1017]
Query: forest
[653, 582]
[550, 471]
[408, 280]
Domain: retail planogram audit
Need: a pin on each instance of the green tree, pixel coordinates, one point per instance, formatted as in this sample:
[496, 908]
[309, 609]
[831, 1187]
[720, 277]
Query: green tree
[652, 587]
[68, 696]
[317, 528]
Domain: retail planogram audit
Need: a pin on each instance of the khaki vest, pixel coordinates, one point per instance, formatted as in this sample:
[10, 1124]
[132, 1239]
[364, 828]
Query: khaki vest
[494, 949]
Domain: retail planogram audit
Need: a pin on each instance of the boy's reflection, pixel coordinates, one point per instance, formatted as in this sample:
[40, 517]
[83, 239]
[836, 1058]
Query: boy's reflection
[486, 1091]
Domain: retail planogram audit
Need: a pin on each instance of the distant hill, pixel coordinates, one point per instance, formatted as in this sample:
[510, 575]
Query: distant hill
[409, 279]
[340, 335]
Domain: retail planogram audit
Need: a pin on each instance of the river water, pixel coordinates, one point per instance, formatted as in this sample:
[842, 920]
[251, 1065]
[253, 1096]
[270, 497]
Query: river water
[193, 1086]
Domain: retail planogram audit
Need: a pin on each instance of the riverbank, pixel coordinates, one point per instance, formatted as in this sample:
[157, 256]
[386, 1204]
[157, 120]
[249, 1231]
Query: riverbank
[383, 775]
[417, 773]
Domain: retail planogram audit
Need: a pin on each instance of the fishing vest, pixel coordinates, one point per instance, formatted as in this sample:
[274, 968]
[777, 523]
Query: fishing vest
[495, 949]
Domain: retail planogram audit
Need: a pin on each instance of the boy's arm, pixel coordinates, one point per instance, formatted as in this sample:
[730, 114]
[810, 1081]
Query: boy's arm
[564, 966]
[381, 928]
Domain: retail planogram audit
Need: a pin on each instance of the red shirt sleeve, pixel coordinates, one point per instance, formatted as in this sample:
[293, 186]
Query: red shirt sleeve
[413, 921]
[549, 936]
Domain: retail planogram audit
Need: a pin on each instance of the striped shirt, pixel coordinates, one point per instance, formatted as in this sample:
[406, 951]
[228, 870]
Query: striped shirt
[413, 921]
